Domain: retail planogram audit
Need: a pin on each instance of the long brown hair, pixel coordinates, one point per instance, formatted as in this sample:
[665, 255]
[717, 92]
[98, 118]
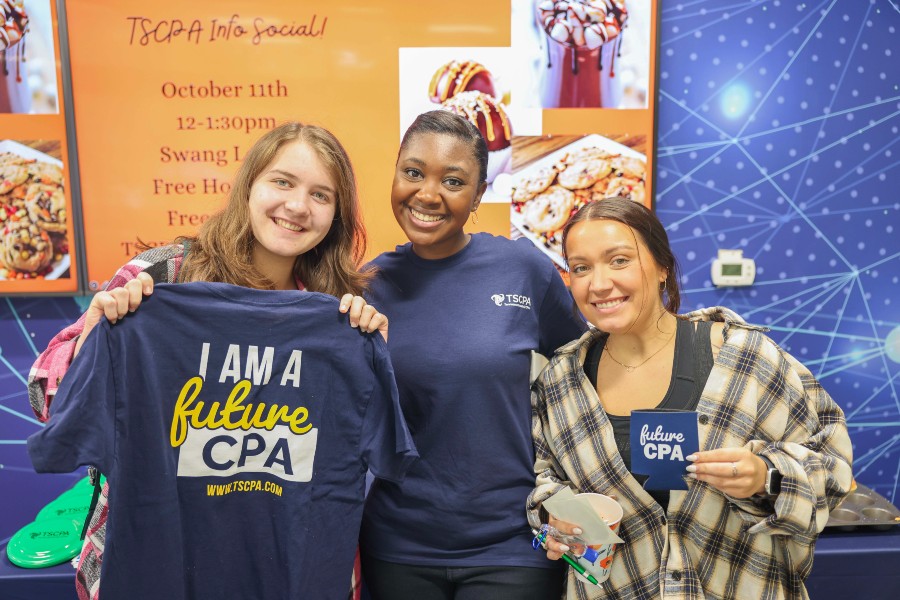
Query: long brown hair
[222, 249]
[640, 219]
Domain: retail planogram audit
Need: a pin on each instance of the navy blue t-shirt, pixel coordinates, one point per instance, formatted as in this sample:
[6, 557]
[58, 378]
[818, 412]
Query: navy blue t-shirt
[235, 427]
[461, 334]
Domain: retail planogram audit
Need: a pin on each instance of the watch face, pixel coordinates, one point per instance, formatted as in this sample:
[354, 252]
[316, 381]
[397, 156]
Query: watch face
[773, 482]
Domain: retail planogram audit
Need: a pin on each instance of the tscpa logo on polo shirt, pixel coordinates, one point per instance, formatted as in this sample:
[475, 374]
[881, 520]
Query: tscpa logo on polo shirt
[512, 300]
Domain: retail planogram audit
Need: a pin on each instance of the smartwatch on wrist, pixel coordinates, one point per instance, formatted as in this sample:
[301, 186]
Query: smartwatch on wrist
[773, 478]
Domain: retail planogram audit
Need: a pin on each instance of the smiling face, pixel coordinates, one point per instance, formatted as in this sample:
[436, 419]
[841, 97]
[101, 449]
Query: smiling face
[436, 187]
[614, 278]
[292, 206]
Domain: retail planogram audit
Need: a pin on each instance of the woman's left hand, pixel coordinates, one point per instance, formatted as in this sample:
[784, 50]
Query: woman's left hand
[733, 471]
[363, 315]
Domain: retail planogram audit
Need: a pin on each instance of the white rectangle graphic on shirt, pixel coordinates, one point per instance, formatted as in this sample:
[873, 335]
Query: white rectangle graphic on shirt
[221, 453]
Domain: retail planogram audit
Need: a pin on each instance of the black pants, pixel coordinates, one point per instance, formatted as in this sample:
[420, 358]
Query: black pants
[393, 581]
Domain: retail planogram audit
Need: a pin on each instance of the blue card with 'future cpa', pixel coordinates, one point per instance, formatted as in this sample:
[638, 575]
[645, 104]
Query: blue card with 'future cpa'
[660, 441]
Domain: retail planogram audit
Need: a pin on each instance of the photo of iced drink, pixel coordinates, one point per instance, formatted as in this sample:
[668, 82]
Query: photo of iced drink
[582, 40]
[14, 94]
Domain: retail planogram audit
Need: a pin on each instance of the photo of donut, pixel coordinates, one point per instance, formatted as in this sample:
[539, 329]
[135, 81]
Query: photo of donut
[473, 83]
[33, 216]
[554, 176]
[456, 77]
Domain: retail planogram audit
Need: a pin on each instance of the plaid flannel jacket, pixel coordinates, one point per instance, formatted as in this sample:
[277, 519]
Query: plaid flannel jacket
[163, 264]
[706, 545]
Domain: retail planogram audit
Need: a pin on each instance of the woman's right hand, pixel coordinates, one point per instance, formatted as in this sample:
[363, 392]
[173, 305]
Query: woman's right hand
[364, 315]
[114, 304]
[555, 548]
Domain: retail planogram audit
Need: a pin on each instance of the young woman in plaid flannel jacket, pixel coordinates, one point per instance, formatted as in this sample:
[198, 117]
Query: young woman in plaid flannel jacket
[762, 417]
[292, 221]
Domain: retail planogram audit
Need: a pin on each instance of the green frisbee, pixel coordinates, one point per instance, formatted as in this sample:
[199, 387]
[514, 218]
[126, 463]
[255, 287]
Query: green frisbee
[74, 495]
[72, 506]
[45, 543]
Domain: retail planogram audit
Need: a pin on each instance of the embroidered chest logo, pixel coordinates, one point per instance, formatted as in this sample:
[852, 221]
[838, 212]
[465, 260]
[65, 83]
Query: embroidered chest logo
[512, 300]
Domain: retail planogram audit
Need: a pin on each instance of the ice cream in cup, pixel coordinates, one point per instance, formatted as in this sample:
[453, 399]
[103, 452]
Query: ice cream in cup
[598, 517]
[597, 558]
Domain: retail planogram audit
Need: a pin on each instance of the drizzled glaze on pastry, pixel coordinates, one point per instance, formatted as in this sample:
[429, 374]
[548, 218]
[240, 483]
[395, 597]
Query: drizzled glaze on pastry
[487, 114]
[456, 77]
[582, 24]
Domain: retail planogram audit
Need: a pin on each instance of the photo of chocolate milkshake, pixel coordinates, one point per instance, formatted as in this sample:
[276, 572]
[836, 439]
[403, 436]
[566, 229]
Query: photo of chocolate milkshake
[581, 42]
[28, 73]
[14, 95]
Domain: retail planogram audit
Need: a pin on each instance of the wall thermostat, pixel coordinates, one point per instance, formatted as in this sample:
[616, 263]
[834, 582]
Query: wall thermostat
[732, 269]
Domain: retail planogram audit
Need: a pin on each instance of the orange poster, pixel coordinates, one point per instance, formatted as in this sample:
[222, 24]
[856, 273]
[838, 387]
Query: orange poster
[169, 95]
[38, 225]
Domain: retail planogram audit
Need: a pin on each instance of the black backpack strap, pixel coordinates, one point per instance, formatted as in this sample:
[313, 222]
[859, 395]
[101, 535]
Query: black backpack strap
[703, 359]
[94, 474]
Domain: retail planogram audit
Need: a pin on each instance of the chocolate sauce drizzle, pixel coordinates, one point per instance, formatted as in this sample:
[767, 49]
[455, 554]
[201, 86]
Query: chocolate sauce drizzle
[621, 17]
[20, 50]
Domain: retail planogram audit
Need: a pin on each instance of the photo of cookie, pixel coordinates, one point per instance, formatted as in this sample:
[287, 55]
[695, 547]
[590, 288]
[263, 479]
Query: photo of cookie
[45, 172]
[12, 176]
[626, 166]
[25, 247]
[563, 173]
[623, 187]
[584, 173]
[11, 158]
[46, 205]
[549, 210]
[33, 212]
[529, 187]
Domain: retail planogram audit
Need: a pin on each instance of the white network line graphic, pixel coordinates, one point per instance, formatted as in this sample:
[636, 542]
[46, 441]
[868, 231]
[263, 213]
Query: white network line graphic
[840, 318]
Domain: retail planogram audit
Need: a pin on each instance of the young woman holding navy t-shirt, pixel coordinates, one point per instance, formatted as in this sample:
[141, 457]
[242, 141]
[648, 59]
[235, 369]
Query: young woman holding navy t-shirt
[292, 221]
[466, 311]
